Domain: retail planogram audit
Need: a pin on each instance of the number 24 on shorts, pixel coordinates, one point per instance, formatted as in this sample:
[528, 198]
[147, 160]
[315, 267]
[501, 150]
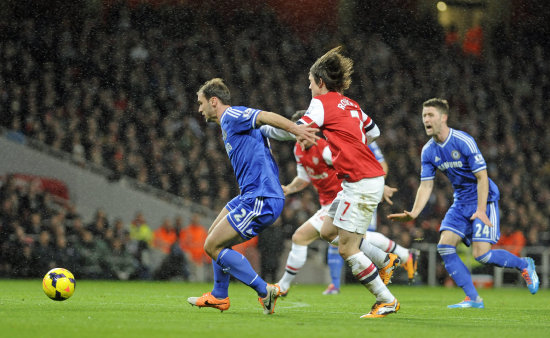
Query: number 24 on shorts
[482, 229]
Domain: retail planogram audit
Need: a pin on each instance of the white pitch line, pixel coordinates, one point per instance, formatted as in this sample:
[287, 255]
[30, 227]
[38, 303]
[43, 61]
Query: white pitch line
[292, 305]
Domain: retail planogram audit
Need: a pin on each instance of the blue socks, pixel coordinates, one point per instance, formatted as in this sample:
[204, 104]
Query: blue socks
[335, 263]
[221, 282]
[457, 270]
[234, 263]
[502, 258]
[461, 275]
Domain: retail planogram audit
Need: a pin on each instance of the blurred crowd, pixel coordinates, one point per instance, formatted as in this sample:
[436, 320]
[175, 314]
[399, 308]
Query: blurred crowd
[119, 91]
[39, 232]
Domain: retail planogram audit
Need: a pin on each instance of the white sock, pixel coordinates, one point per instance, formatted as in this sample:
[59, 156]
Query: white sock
[380, 290]
[295, 261]
[402, 253]
[377, 256]
[384, 243]
[366, 273]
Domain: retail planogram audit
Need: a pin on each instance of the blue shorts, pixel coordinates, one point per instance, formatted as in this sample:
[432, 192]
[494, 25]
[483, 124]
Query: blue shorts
[458, 221]
[250, 216]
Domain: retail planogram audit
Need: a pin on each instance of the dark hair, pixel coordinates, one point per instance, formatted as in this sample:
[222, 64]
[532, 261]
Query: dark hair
[297, 115]
[216, 88]
[440, 104]
[335, 70]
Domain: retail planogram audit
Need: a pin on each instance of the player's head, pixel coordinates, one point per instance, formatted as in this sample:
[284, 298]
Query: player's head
[212, 94]
[297, 115]
[332, 72]
[435, 113]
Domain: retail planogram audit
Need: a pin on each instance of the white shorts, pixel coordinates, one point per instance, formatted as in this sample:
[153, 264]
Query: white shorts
[354, 206]
[318, 218]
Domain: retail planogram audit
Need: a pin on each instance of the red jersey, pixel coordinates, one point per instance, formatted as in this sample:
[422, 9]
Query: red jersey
[322, 175]
[344, 125]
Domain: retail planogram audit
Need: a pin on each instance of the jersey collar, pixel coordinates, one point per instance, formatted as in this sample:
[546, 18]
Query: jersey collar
[223, 114]
[442, 145]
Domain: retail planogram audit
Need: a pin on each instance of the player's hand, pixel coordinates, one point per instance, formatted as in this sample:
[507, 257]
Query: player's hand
[306, 135]
[286, 191]
[305, 144]
[405, 216]
[482, 217]
[388, 194]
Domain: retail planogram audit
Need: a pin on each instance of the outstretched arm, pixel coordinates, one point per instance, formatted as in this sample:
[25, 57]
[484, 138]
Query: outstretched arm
[296, 185]
[276, 133]
[422, 197]
[303, 132]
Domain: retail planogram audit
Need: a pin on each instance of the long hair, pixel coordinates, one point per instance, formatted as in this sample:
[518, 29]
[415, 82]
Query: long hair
[334, 69]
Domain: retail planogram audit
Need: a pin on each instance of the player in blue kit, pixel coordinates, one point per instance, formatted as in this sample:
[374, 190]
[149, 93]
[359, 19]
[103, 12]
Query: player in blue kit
[473, 218]
[261, 199]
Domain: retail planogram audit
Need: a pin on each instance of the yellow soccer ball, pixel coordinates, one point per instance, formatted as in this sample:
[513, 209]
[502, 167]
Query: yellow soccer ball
[59, 284]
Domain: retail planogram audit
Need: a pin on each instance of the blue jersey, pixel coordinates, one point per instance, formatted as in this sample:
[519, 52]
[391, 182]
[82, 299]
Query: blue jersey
[459, 158]
[249, 153]
[376, 151]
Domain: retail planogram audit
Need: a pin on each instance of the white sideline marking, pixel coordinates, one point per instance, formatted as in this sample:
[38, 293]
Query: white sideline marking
[291, 305]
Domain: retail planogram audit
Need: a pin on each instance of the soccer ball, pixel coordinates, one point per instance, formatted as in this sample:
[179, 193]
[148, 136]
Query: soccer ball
[59, 284]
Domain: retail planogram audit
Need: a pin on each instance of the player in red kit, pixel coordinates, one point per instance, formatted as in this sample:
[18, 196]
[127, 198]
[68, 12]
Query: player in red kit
[348, 131]
[314, 165]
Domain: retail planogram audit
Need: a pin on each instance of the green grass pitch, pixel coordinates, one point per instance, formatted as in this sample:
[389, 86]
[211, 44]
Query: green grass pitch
[159, 309]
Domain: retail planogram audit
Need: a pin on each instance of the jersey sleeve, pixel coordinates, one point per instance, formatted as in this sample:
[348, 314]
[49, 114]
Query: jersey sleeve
[315, 113]
[302, 173]
[427, 171]
[472, 153]
[372, 132]
[244, 121]
[367, 121]
[295, 152]
[276, 133]
[300, 170]
[376, 151]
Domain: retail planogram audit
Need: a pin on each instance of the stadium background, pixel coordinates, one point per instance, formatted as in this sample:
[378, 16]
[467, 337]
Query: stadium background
[101, 136]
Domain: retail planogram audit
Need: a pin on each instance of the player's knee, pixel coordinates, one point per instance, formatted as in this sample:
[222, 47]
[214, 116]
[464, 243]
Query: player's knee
[346, 251]
[342, 251]
[297, 238]
[323, 235]
[209, 248]
[326, 237]
[327, 234]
